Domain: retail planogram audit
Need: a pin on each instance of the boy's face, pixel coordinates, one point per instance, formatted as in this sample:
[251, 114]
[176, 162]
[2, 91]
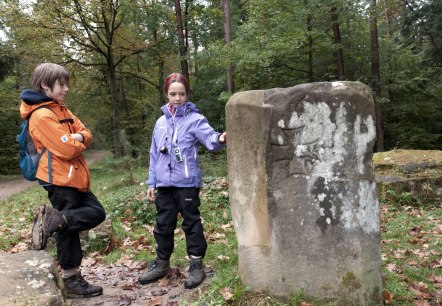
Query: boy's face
[58, 92]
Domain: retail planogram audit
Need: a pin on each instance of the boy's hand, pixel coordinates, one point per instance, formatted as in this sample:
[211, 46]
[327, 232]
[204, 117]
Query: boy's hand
[151, 194]
[78, 137]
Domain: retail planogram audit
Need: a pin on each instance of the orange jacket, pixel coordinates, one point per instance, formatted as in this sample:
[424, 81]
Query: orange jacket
[69, 167]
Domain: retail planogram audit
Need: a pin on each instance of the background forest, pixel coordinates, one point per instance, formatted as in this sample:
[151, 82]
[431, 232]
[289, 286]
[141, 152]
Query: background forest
[119, 51]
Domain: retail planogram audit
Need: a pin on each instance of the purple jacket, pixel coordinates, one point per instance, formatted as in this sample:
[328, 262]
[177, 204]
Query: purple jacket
[176, 138]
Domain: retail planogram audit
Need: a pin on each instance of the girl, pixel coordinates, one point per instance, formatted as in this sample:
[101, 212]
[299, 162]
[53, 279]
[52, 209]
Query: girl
[175, 174]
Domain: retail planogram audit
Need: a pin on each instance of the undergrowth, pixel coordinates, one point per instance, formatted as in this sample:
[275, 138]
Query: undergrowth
[411, 239]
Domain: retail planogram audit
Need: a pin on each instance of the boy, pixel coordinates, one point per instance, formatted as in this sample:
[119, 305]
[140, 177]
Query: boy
[63, 173]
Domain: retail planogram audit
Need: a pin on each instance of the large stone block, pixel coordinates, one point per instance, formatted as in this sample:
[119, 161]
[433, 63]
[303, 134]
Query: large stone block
[302, 191]
[29, 278]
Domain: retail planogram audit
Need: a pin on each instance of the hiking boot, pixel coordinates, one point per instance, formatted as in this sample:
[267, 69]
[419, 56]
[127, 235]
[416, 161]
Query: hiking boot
[47, 221]
[77, 286]
[157, 269]
[196, 274]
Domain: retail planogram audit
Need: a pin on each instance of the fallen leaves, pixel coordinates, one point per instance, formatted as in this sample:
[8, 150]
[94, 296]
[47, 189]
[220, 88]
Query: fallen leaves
[19, 247]
[226, 293]
[388, 297]
[410, 245]
[120, 280]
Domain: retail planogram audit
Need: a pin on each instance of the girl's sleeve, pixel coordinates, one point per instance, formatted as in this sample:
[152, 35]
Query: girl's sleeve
[207, 135]
[152, 179]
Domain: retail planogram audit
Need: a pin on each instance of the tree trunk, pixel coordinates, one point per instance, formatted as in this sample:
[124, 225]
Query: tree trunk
[118, 147]
[161, 77]
[389, 51]
[376, 76]
[309, 45]
[227, 40]
[337, 41]
[183, 50]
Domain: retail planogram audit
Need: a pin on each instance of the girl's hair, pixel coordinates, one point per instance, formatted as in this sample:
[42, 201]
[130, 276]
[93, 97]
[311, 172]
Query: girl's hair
[48, 73]
[175, 77]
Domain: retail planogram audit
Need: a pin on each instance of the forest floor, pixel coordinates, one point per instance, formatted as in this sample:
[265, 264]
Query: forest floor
[418, 253]
[119, 280]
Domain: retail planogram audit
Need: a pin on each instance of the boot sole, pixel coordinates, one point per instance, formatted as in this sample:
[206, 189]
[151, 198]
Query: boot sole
[74, 295]
[37, 229]
[145, 282]
[194, 285]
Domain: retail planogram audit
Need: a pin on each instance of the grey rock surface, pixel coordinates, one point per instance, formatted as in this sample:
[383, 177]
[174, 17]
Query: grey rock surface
[29, 278]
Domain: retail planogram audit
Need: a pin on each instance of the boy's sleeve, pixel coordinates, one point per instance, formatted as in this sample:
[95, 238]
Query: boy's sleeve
[48, 132]
[79, 128]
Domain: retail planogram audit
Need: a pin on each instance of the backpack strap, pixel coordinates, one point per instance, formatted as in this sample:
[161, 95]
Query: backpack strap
[37, 161]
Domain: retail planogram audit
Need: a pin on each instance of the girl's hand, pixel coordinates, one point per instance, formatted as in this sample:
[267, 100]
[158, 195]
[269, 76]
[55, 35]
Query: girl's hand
[151, 194]
[222, 138]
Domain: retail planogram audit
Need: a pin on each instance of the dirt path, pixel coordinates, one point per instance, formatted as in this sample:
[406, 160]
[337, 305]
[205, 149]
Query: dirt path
[121, 287]
[16, 185]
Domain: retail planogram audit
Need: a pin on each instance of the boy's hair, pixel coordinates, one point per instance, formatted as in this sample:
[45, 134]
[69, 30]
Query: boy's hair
[48, 73]
[175, 77]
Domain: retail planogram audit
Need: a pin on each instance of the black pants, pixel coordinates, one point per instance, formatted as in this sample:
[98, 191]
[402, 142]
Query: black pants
[169, 202]
[83, 212]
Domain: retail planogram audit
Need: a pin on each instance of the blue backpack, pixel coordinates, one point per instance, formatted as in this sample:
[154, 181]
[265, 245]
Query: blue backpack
[29, 157]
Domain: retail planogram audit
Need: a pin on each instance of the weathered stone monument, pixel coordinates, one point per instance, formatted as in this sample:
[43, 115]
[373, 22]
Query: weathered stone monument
[303, 193]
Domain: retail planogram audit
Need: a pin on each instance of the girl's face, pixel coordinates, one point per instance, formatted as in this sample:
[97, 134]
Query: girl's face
[177, 94]
[58, 92]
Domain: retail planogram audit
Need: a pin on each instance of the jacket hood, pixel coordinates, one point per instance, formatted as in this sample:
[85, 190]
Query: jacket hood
[180, 111]
[31, 100]
[34, 97]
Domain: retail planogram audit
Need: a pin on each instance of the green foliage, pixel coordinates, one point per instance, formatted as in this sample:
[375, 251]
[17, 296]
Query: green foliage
[274, 44]
[402, 198]
[9, 126]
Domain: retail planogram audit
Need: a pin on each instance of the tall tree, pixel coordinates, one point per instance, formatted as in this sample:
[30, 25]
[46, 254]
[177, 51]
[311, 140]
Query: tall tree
[181, 39]
[227, 40]
[94, 33]
[337, 41]
[376, 75]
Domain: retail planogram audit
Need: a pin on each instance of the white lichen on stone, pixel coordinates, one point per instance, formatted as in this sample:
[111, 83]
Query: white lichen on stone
[36, 283]
[362, 139]
[280, 140]
[362, 212]
[281, 123]
[34, 262]
[368, 209]
[325, 141]
[321, 197]
[337, 84]
[45, 265]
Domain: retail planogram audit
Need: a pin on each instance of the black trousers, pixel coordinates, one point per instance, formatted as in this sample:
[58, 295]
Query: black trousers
[83, 212]
[169, 202]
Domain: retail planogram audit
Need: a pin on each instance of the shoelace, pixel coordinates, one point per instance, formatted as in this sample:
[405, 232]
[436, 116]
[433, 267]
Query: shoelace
[195, 265]
[82, 281]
